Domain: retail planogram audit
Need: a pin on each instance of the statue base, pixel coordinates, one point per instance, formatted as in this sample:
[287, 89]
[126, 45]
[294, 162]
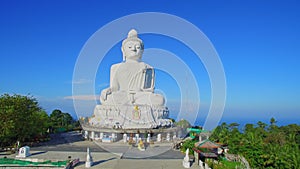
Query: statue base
[130, 117]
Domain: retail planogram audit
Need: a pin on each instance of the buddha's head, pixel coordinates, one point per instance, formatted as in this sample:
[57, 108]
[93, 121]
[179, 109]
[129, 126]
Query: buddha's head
[132, 47]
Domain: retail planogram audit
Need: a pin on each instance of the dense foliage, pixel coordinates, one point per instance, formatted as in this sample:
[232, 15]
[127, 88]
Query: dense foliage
[183, 123]
[263, 145]
[61, 121]
[21, 119]
[189, 144]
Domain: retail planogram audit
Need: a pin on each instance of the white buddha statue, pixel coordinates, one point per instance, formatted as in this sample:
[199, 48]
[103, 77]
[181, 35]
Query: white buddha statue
[130, 101]
[132, 81]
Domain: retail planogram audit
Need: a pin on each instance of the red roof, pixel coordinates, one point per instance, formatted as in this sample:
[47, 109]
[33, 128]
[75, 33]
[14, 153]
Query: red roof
[207, 144]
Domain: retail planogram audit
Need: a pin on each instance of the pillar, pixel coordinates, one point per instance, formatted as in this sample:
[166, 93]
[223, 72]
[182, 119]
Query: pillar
[86, 134]
[174, 136]
[89, 159]
[137, 137]
[113, 137]
[148, 138]
[201, 164]
[168, 137]
[159, 137]
[93, 135]
[206, 166]
[101, 136]
[124, 137]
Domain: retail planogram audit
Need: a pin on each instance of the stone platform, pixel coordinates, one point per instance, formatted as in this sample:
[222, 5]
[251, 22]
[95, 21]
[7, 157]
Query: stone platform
[87, 127]
[132, 135]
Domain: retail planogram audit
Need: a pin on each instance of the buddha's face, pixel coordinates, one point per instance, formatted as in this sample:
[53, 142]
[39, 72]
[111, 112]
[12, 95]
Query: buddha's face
[132, 50]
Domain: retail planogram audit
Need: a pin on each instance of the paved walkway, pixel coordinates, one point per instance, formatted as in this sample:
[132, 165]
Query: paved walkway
[132, 152]
[108, 156]
[109, 161]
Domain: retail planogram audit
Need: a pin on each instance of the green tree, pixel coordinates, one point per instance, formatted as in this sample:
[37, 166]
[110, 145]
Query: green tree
[56, 118]
[21, 119]
[273, 121]
[183, 123]
[262, 145]
[40, 123]
[221, 134]
[60, 120]
[188, 144]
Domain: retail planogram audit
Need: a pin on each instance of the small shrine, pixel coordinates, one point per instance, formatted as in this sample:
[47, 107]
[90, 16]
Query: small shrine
[24, 152]
[206, 149]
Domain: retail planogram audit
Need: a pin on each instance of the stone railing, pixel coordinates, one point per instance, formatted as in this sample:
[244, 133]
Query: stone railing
[239, 158]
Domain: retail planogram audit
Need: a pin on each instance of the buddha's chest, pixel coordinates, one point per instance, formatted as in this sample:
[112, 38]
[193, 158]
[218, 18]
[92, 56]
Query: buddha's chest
[130, 76]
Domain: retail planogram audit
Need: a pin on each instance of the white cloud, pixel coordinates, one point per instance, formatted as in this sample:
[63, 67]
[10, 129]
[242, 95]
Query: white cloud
[81, 81]
[83, 97]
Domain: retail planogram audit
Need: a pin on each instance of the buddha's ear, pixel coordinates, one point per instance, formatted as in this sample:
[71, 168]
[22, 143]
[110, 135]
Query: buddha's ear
[122, 49]
[124, 57]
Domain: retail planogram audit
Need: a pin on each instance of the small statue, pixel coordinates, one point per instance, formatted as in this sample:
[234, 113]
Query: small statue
[187, 154]
[89, 159]
[186, 160]
[141, 146]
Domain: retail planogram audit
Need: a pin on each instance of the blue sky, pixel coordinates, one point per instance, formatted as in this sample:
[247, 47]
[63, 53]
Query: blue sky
[257, 42]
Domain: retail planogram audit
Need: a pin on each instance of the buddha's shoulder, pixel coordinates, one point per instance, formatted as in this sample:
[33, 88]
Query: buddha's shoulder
[124, 64]
[145, 65]
[116, 65]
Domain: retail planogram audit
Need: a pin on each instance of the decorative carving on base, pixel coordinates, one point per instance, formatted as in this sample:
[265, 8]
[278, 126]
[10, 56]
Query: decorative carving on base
[130, 117]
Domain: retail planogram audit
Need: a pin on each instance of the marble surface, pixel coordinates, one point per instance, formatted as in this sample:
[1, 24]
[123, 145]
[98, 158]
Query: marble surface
[130, 101]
